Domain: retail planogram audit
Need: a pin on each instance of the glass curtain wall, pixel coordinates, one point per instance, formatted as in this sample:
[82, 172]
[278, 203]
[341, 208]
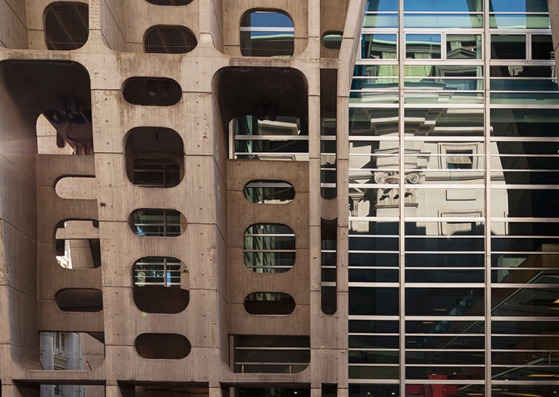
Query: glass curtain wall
[453, 200]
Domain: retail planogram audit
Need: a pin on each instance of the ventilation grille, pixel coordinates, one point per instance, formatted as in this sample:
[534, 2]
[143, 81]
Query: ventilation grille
[148, 91]
[169, 39]
[66, 26]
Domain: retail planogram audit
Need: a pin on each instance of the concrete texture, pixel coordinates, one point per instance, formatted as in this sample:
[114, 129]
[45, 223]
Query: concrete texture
[43, 189]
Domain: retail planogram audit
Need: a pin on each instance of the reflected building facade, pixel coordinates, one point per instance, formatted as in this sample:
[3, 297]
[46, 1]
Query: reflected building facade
[453, 175]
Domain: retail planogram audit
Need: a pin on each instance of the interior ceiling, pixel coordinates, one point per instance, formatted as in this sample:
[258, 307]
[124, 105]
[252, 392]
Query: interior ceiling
[239, 91]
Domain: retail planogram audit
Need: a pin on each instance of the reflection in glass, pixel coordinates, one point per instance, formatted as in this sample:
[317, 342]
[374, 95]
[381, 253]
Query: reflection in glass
[441, 21]
[426, 217]
[378, 46]
[517, 6]
[463, 46]
[519, 21]
[382, 5]
[423, 46]
[508, 46]
[444, 6]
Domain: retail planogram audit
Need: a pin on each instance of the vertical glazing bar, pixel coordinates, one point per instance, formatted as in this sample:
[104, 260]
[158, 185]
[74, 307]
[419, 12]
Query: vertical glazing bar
[402, 209]
[487, 183]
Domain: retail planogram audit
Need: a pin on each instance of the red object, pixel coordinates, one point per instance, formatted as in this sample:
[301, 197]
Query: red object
[436, 390]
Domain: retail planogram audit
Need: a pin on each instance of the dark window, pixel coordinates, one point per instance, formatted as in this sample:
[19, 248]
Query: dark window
[151, 91]
[269, 248]
[267, 33]
[328, 260]
[154, 157]
[79, 300]
[66, 25]
[271, 353]
[170, 2]
[169, 39]
[154, 222]
[508, 46]
[269, 303]
[162, 346]
[542, 47]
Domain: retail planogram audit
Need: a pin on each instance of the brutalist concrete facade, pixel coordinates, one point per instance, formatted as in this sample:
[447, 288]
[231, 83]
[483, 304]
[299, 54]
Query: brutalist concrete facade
[190, 351]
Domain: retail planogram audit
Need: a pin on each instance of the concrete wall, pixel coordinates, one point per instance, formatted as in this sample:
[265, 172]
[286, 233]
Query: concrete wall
[209, 197]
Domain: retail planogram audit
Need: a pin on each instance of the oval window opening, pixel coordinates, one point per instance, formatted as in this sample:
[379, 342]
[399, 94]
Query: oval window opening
[269, 248]
[332, 40]
[154, 157]
[66, 25]
[267, 33]
[170, 2]
[160, 285]
[77, 244]
[169, 39]
[155, 222]
[79, 300]
[269, 192]
[269, 303]
[151, 91]
[162, 346]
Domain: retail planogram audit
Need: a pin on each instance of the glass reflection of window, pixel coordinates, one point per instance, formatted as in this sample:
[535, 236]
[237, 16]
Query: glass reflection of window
[444, 5]
[443, 14]
[525, 14]
[269, 248]
[423, 46]
[459, 159]
[381, 14]
[463, 46]
[371, 83]
[461, 84]
[378, 46]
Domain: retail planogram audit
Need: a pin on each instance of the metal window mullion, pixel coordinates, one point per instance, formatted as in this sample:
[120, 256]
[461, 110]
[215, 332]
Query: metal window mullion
[401, 228]
[487, 204]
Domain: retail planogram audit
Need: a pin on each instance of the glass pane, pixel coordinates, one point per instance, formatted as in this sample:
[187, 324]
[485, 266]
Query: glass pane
[531, 302]
[378, 301]
[508, 46]
[379, 46]
[380, 21]
[463, 46]
[266, 34]
[423, 46]
[542, 47]
[444, 301]
[444, 5]
[437, 21]
[519, 21]
[269, 248]
[382, 5]
[518, 6]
